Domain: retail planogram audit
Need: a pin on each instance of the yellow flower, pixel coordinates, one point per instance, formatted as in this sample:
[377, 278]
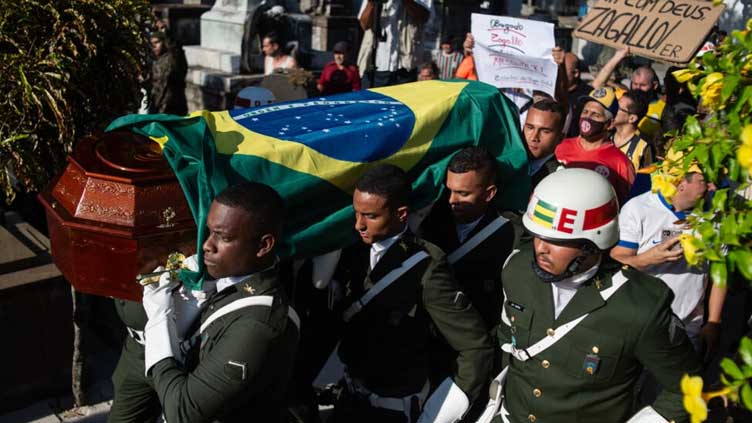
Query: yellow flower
[747, 135]
[711, 90]
[685, 75]
[744, 156]
[665, 185]
[692, 248]
[691, 387]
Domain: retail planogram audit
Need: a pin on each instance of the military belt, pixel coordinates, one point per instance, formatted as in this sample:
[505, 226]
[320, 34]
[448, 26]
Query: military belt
[404, 404]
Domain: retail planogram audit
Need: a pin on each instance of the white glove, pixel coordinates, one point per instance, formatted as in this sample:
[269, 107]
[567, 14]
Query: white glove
[447, 404]
[647, 415]
[158, 304]
[187, 302]
[191, 263]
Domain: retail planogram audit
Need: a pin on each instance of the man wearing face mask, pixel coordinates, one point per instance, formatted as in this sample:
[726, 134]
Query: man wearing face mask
[577, 330]
[593, 148]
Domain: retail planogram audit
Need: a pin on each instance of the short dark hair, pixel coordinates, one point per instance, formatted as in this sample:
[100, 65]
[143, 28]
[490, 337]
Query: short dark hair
[640, 102]
[260, 201]
[430, 65]
[477, 159]
[387, 181]
[273, 38]
[551, 106]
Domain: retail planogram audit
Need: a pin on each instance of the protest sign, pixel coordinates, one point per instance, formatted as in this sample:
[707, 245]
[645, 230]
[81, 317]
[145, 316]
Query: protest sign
[665, 30]
[514, 53]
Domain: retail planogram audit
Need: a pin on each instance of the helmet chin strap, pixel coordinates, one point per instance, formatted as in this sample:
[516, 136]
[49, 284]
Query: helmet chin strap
[574, 267]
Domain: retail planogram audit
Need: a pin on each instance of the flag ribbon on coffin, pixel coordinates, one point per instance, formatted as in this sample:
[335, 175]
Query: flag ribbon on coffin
[313, 151]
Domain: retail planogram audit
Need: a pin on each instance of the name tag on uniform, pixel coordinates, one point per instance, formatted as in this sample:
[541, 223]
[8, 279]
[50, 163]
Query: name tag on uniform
[518, 307]
[590, 365]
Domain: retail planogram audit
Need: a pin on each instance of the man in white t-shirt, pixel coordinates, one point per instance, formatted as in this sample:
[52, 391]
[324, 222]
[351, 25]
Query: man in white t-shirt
[649, 241]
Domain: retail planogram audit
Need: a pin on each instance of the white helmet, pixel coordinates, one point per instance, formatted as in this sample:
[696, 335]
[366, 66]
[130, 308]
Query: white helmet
[574, 204]
[253, 97]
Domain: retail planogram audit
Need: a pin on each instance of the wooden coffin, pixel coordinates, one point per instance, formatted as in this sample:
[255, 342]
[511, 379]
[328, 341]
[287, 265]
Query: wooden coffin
[116, 211]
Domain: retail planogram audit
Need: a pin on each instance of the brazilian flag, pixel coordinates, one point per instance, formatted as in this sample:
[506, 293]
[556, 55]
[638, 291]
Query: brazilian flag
[313, 151]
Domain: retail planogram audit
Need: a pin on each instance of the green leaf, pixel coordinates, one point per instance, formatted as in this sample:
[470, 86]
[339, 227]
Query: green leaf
[730, 82]
[719, 199]
[707, 230]
[733, 169]
[743, 260]
[747, 396]
[718, 273]
[692, 127]
[729, 230]
[731, 369]
[745, 97]
[745, 350]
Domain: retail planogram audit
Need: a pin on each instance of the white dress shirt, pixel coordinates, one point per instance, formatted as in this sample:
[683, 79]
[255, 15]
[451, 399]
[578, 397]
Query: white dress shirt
[564, 290]
[379, 248]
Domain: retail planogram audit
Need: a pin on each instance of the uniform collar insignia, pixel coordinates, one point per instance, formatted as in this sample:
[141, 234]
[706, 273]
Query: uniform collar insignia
[248, 288]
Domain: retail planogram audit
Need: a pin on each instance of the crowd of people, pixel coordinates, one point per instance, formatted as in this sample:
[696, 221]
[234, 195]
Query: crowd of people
[580, 308]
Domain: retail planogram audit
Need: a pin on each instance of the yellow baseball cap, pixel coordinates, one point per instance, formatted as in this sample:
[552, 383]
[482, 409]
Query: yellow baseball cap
[605, 96]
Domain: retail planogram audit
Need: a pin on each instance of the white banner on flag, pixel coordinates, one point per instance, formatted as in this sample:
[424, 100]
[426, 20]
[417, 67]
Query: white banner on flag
[514, 53]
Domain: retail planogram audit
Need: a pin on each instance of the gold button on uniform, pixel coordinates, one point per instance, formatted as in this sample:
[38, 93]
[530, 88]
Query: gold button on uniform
[546, 364]
[537, 393]
[531, 418]
[550, 332]
[596, 350]
[512, 318]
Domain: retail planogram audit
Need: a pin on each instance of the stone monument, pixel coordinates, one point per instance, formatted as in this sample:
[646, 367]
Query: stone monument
[214, 67]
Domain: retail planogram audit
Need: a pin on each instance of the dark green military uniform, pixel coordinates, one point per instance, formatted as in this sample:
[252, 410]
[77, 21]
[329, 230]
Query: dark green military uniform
[590, 373]
[384, 346]
[240, 370]
[135, 399]
[478, 272]
[479, 275]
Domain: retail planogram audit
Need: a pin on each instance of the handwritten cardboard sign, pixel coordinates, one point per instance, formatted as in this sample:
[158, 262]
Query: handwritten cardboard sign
[665, 30]
[514, 53]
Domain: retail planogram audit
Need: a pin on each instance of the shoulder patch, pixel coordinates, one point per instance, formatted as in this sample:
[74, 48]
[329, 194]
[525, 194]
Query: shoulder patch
[235, 371]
